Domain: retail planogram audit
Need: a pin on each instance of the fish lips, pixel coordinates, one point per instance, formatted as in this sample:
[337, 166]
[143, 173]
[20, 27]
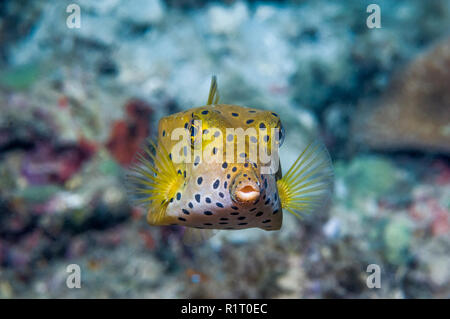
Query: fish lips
[245, 190]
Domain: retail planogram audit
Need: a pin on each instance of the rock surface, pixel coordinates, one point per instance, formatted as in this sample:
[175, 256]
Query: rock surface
[414, 113]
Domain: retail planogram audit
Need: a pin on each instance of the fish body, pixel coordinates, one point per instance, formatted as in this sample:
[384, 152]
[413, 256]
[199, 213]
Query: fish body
[212, 167]
[207, 198]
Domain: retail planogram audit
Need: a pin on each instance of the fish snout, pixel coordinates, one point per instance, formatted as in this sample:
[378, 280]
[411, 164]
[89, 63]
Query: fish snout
[245, 189]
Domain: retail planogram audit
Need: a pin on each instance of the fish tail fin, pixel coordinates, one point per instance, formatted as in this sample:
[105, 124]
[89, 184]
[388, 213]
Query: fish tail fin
[213, 97]
[153, 181]
[308, 184]
[193, 236]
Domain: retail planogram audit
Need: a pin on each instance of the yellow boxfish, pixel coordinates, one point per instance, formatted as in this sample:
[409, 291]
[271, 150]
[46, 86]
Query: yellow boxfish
[216, 167]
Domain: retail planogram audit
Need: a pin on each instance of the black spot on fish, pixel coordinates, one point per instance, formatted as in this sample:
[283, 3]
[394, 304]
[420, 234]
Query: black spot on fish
[253, 209]
[275, 211]
[223, 223]
[266, 138]
[267, 201]
[214, 150]
[190, 205]
[234, 213]
[245, 165]
[265, 183]
[208, 200]
[221, 194]
[207, 224]
[164, 133]
[171, 200]
[241, 218]
[224, 165]
[216, 184]
[259, 214]
[251, 111]
[243, 155]
[225, 185]
[235, 114]
[245, 175]
[266, 221]
[228, 175]
[219, 205]
[197, 197]
[170, 156]
[234, 207]
[193, 131]
[178, 196]
[234, 169]
[182, 219]
[262, 125]
[207, 212]
[205, 112]
[275, 114]
[250, 121]
[241, 224]
[185, 211]
[196, 160]
[199, 180]
[224, 218]
[206, 131]
[185, 125]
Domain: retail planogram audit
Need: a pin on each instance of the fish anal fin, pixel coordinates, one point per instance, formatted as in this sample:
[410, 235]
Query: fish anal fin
[194, 236]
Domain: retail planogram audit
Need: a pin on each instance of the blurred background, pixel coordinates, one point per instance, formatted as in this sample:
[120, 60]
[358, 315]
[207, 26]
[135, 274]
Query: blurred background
[76, 104]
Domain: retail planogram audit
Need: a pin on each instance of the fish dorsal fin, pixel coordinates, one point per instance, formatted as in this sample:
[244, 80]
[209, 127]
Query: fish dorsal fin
[193, 236]
[213, 97]
[308, 184]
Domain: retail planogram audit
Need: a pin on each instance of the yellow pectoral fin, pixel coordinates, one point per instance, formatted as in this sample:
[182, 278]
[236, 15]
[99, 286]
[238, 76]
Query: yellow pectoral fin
[154, 181]
[308, 184]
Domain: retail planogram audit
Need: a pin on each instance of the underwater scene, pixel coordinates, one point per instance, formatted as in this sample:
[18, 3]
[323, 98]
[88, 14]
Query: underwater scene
[94, 204]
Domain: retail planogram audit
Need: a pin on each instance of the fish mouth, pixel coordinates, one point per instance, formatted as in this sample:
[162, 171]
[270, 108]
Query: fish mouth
[245, 190]
[247, 193]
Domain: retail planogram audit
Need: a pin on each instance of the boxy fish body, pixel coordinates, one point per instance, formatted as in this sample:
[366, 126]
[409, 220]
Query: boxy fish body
[209, 169]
